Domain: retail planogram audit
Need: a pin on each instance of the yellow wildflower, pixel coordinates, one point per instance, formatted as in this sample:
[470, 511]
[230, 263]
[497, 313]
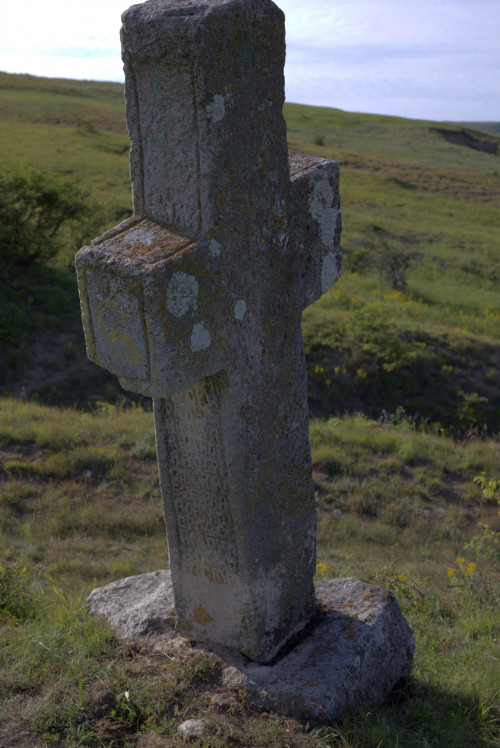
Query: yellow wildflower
[470, 569]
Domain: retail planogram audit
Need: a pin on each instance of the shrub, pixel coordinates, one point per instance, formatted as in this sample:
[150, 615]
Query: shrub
[37, 212]
[392, 255]
[16, 599]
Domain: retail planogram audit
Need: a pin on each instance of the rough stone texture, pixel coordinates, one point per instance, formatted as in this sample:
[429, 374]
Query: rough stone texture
[197, 302]
[223, 702]
[138, 606]
[191, 729]
[354, 652]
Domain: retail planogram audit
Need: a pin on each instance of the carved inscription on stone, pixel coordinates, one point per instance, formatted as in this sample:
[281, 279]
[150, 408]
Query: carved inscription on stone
[198, 480]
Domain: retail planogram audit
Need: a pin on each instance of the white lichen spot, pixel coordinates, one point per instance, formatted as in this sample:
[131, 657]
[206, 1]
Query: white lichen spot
[214, 247]
[181, 294]
[321, 197]
[320, 205]
[329, 272]
[200, 338]
[139, 236]
[239, 309]
[216, 109]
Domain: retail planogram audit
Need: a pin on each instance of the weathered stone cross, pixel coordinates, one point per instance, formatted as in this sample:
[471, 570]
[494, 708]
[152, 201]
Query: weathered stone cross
[196, 301]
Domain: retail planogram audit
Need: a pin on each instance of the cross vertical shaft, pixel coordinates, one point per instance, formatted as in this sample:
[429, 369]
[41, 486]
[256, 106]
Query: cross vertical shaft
[197, 300]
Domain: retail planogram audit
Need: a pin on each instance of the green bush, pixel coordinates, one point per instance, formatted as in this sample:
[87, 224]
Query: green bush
[39, 213]
[16, 599]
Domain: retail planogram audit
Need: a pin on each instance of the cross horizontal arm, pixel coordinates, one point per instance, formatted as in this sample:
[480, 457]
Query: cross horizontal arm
[315, 227]
[147, 299]
[162, 311]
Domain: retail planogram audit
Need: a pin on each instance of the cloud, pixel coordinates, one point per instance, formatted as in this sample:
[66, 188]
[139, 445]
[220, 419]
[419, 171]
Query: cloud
[436, 59]
[80, 52]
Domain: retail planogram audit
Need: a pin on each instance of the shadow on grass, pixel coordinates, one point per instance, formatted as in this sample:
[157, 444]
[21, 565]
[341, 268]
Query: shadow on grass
[454, 388]
[42, 347]
[419, 714]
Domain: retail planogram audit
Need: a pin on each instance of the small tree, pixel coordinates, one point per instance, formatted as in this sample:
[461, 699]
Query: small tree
[391, 254]
[34, 208]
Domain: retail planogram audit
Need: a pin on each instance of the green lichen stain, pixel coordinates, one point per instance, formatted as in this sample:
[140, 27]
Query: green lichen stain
[120, 343]
[250, 52]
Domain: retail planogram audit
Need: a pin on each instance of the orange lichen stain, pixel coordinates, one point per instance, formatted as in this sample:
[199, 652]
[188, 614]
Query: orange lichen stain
[345, 606]
[214, 575]
[201, 616]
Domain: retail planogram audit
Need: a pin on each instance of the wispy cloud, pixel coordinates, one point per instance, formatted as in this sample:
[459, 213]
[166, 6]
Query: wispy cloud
[435, 60]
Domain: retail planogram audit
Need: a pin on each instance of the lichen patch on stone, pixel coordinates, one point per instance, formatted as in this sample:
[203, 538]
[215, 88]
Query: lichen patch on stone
[111, 318]
[200, 338]
[201, 616]
[329, 272]
[182, 292]
[320, 205]
[216, 109]
[140, 236]
[214, 247]
[239, 309]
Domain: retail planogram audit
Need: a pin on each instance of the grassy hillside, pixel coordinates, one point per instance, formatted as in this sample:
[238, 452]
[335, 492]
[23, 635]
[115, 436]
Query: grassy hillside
[424, 338]
[491, 127]
[413, 324]
[403, 360]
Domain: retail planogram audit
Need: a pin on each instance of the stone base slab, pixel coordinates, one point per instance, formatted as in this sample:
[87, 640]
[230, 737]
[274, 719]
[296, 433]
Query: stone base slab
[352, 654]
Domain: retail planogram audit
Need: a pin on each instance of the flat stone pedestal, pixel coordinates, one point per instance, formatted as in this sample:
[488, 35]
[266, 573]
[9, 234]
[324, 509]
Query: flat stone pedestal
[353, 653]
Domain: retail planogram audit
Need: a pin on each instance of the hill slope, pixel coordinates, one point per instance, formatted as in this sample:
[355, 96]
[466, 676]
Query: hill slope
[413, 325]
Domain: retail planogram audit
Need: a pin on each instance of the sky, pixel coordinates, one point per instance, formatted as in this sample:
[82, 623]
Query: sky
[427, 59]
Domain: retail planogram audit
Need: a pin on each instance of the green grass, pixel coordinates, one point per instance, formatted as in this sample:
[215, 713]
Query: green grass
[75, 129]
[404, 390]
[432, 347]
[397, 506]
[383, 139]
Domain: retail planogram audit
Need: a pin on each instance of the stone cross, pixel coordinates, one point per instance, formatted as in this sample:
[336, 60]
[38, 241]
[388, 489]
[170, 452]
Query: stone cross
[197, 299]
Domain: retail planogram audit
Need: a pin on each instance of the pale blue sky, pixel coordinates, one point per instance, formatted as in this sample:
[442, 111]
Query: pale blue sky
[432, 59]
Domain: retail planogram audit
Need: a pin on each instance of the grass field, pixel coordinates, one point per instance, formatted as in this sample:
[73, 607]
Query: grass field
[403, 361]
